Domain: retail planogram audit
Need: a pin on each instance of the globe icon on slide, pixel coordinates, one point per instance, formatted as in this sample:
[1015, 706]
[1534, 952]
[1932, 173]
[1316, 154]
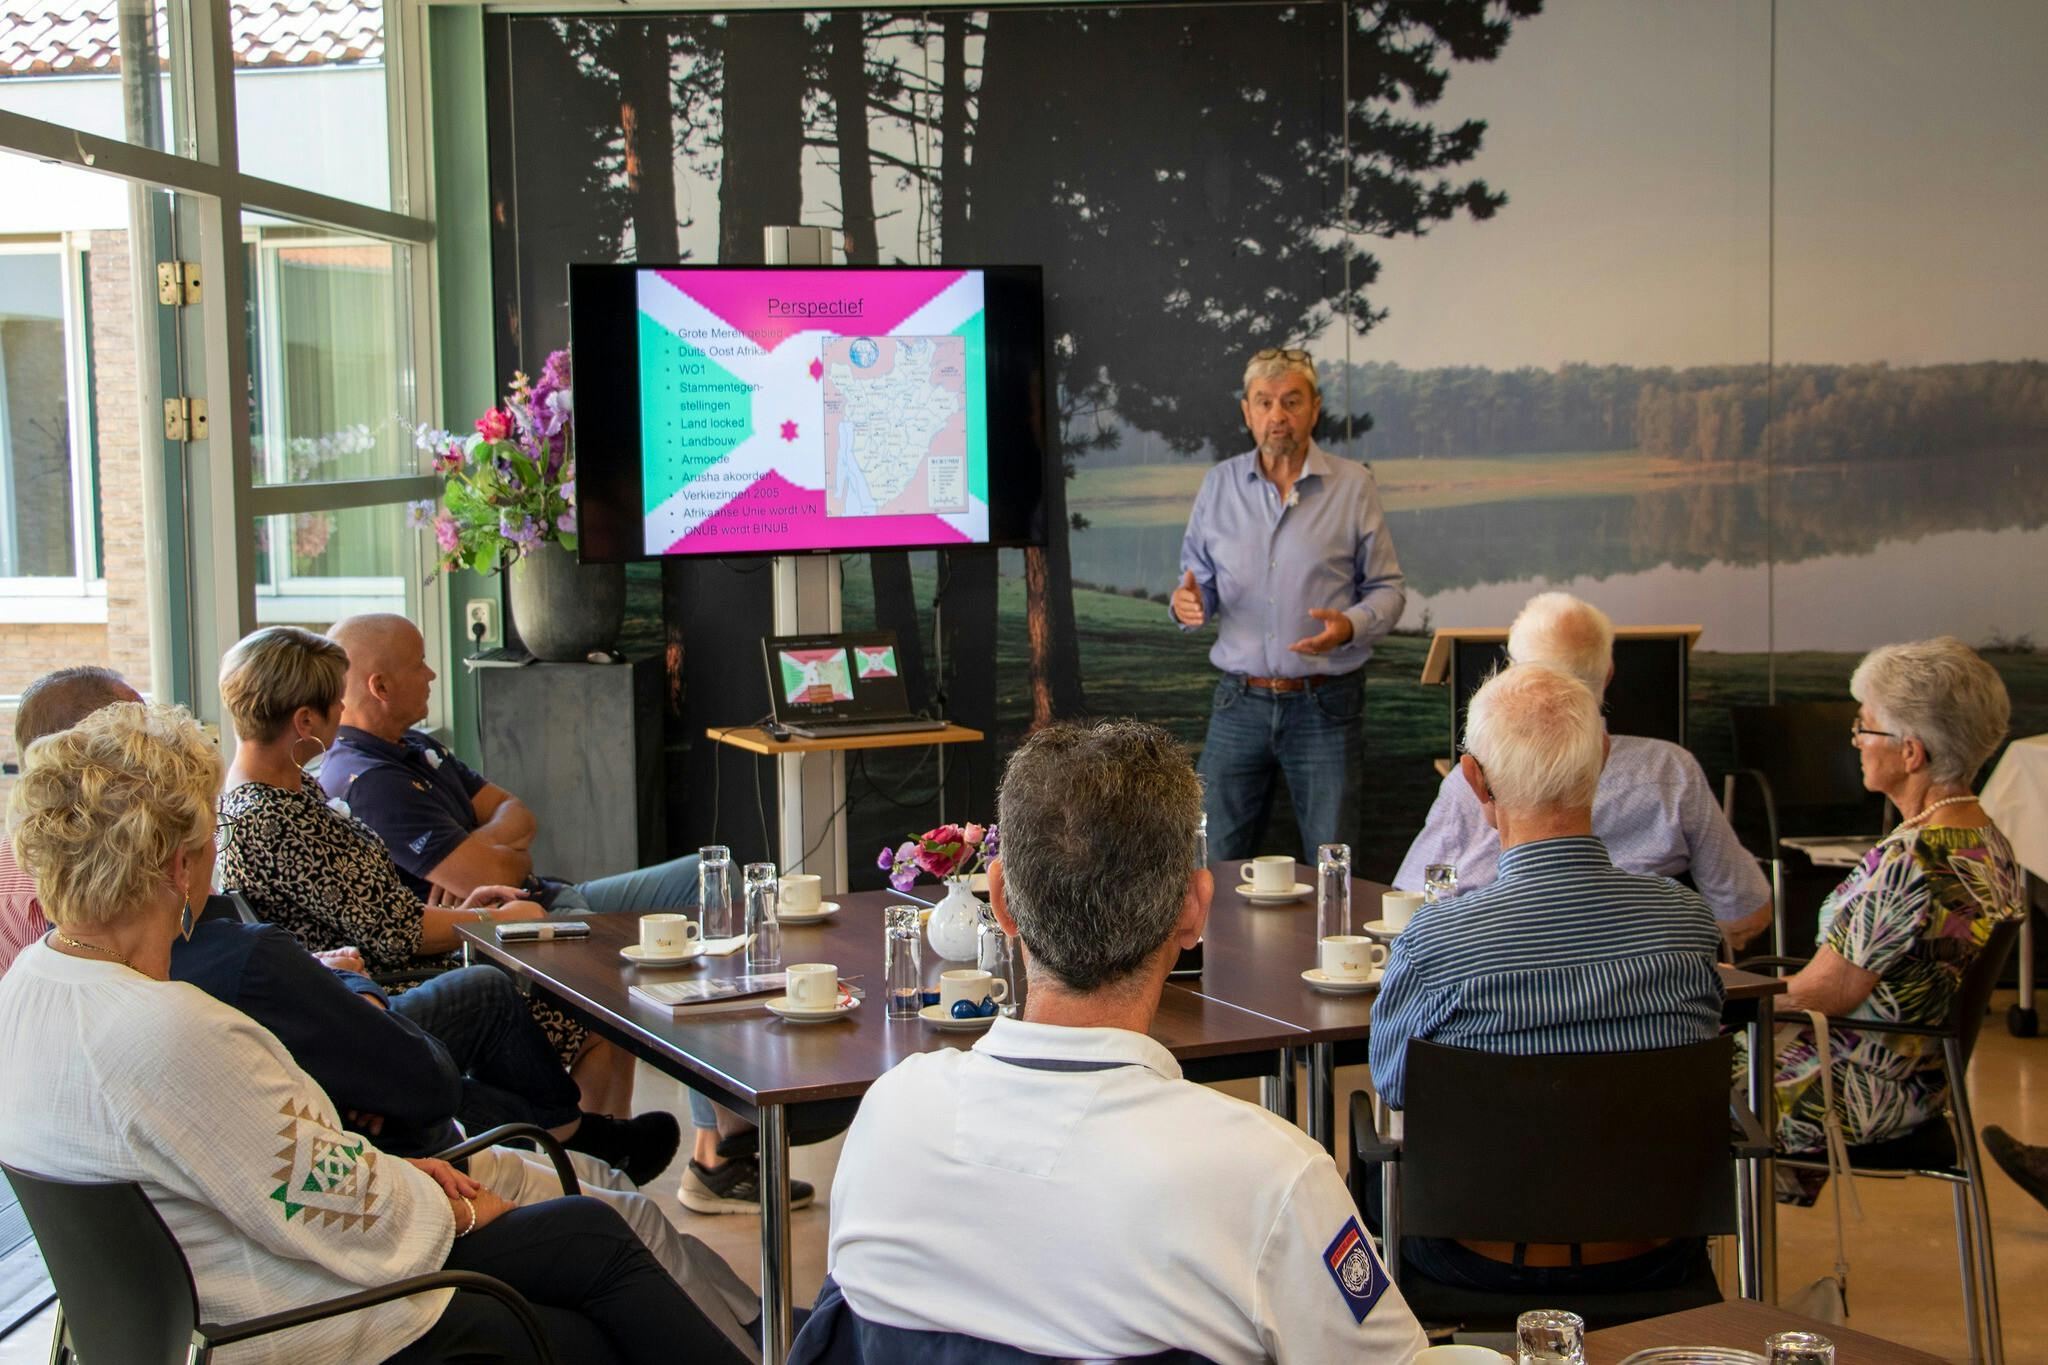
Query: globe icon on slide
[863, 352]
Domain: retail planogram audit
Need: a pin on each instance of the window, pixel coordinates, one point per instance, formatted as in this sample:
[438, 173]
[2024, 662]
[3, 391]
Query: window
[46, 526]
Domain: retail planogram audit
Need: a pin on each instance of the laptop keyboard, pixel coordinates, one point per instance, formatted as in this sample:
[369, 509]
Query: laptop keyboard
[819, 729]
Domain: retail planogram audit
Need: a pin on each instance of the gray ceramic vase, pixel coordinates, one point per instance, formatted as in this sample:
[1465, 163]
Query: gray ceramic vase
[563, 608]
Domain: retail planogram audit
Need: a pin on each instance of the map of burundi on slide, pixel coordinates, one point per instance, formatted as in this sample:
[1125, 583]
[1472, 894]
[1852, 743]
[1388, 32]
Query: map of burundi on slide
[833, 409]
[895, 434]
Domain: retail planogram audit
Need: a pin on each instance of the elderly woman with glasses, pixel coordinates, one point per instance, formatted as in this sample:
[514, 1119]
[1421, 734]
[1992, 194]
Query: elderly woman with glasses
[110, 1071]
[1900, 931]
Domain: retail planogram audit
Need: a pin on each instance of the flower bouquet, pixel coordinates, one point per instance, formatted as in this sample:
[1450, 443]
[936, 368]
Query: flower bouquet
[946, 852]
[511, 487]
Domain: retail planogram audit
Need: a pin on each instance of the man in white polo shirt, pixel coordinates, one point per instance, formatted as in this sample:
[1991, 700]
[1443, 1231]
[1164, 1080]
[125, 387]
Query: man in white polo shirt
[1060, 1188]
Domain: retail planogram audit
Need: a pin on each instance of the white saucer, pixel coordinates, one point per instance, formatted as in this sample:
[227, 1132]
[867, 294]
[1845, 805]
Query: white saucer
[946, 1023]
[1379, 928]
[639, 956]
[1343, 985]
[826, 910]
[779, 1005]
[1295, 893]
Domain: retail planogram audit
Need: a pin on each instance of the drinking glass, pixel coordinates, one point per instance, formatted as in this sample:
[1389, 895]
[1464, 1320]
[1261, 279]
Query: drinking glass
[764, 928]
[1439, 882]
[714, 890]
[1333, 890]
[1800, 1348]
[903, 961]
[1201, 841]
[995, 954]
[1550, 1336]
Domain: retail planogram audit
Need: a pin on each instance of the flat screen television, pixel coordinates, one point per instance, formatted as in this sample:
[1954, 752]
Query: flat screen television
[752, 410]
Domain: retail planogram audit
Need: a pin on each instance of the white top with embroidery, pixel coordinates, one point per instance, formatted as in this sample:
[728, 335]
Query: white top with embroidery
[1064, 1190]
[108, 1075]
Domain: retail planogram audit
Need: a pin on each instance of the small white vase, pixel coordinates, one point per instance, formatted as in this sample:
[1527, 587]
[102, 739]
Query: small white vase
[951, 929]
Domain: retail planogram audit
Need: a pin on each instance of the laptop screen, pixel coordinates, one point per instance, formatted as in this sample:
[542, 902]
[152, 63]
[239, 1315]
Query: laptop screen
[847, 676]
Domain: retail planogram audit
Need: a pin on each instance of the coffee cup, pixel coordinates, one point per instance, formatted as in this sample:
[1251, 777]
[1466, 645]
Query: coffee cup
[967, 992]
[1351, 956]
[802, 892]
[1272, 873]
[1460, 1353]
[813, 985]
[669, 935]
[1398, 907]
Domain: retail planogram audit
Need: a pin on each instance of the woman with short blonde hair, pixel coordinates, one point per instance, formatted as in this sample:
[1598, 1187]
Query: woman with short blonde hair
[110, 1071]
[270, 675]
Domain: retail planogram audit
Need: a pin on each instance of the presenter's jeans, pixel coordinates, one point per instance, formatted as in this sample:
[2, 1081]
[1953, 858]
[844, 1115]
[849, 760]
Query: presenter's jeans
[1314, 739]
[665, 886]
[599, 1294]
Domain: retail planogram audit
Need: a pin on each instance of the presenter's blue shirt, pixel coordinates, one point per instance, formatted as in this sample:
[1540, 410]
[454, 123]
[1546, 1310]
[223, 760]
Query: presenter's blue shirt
[416, 794]
[1261, 563]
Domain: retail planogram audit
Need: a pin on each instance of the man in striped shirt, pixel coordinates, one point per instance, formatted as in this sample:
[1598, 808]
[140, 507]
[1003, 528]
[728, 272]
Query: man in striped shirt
[1563, 952]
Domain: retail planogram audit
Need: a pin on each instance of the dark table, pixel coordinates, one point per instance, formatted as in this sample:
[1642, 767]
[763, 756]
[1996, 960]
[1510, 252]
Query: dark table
[761, 1066]
[1744, 1324]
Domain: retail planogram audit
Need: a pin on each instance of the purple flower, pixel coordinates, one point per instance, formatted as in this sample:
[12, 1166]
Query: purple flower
[903, 876]
[566, 523]
[886, 858]
[419, 515]
[992, 845]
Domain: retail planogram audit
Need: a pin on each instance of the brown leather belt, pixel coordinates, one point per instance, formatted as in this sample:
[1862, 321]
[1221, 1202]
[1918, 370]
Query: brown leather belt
[1555, 1255]
[1308, 684]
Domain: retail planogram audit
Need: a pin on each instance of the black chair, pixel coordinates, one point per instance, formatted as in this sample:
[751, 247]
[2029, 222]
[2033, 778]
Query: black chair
[125, 1293]
[1945, 1147]
[1809, 776]
[1572, 1147]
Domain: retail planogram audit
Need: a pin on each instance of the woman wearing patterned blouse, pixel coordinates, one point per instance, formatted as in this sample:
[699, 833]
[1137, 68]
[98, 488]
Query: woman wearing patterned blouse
[310, 867]
[1899, 932]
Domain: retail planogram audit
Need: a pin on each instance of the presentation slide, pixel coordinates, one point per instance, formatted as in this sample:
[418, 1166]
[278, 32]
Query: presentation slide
[814, 677]
[812, 409]
[879, 662]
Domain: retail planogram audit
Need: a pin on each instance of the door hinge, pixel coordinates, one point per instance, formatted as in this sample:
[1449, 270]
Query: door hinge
[184, 419]
[177, 282]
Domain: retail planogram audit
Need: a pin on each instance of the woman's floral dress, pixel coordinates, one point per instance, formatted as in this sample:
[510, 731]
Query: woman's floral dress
[309, 867]
[1916, 912]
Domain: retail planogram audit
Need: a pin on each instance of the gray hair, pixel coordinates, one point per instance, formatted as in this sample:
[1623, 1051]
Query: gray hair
[1536, 733]
[1941, 693]
[1569, 635]
[1098, 829]
[1277, 362]
[57, 701]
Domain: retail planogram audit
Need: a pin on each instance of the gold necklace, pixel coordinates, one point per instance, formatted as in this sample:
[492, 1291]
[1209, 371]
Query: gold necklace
[69, 941]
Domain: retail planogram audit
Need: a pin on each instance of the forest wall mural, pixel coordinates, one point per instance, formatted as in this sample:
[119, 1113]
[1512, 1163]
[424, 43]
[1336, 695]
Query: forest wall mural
[1603, 308]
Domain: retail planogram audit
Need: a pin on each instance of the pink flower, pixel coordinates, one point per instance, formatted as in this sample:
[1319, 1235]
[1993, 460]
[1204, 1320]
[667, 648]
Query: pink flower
[973, 835]
[446, 534]
[934, 862]
[945, 834]
[495, 425]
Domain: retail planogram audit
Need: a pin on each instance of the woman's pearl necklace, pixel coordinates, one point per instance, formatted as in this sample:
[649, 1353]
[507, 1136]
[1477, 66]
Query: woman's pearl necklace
[1932, 807]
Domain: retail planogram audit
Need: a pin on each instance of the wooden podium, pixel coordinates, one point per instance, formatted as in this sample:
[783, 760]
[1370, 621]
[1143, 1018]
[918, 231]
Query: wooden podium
[1652, 676]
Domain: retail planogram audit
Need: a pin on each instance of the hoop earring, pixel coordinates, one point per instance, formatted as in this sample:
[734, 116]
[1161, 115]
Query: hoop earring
[185, 921]
[292, 754]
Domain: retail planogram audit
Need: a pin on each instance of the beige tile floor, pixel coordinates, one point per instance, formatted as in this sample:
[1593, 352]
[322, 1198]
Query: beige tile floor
[1902, 1259]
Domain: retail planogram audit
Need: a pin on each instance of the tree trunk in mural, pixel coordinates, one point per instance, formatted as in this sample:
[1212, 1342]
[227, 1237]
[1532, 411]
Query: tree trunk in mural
[647, 135]
[953, 132]
[1007, 219]
[846, 82]
[760, 176]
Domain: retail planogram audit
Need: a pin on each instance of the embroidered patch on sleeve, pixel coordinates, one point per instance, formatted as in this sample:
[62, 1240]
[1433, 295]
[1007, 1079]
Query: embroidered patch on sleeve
[1359, 1277]
[327, 1181]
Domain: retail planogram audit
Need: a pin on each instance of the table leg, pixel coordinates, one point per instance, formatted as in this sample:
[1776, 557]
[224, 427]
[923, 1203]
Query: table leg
[775, 1286]
[1276, 1091]
[1322, 1094]
[1763, 1268]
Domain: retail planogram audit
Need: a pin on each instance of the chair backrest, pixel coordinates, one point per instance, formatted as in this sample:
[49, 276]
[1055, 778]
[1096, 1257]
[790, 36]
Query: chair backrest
[1572, 1147]
[1803, 749]
[126, 1291]
[1980, 978]
[244, 911]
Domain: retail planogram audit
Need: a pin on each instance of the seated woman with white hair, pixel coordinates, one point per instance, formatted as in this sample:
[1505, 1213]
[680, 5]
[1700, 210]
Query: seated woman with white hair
[109, 1071]
[1899, 932]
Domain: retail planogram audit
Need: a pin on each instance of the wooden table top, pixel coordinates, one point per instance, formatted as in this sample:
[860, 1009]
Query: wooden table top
[1743, 1323]
[1253, 957]
[755, 740]
[767, 1060]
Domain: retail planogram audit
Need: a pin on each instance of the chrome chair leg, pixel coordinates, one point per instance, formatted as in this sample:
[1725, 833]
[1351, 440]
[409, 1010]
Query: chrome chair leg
[1966, 1260]
[60, 1354]
[1980, 1211]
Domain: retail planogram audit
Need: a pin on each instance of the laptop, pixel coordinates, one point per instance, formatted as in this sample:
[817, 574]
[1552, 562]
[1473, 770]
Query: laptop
[847, 683]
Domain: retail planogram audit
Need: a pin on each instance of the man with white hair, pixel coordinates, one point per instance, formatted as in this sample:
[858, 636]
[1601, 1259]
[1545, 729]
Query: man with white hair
[1287, 552]
[1562, 952]
[1654, 810]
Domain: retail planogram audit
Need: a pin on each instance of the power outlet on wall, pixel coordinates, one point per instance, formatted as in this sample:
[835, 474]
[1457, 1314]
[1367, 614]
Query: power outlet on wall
[481, 611]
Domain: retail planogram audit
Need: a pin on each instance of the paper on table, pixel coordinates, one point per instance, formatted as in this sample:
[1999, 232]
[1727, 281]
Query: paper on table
[724, 947]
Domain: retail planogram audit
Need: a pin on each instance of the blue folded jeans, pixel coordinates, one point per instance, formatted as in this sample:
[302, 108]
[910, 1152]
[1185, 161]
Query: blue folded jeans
[1314, 738]
[510, 1073]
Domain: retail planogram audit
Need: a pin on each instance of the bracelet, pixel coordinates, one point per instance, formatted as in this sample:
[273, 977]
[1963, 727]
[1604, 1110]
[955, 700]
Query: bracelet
[483, 913]
[472, 1215]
